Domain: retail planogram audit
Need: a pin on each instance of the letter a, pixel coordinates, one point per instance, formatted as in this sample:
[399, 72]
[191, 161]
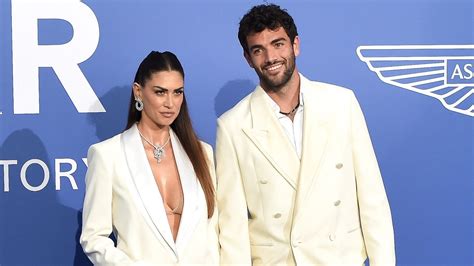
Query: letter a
[457, 72]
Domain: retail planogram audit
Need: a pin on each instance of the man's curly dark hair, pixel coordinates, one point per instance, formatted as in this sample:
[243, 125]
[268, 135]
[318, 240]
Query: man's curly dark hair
[265, 16]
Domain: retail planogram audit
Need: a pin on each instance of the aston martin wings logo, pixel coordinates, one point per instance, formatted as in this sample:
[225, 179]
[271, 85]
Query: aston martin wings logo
[444, 72]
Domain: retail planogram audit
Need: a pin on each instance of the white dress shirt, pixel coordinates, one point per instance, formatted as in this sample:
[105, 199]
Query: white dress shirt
[293, 129]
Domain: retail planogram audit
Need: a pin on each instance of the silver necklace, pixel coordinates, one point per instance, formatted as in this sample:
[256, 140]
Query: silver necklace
[158, 151]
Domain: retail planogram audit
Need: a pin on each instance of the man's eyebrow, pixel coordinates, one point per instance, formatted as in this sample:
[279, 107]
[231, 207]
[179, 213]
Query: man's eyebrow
[255, 46]
[278, 40]
[261, 46]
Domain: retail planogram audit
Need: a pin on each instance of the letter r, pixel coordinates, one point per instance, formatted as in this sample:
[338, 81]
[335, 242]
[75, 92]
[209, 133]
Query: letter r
[28, 56]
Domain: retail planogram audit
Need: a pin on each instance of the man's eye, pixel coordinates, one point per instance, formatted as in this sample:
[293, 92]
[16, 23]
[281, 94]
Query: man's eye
[257, 51]
[279, 44]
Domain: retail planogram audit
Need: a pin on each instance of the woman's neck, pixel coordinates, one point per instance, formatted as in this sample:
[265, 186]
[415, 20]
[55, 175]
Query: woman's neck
[157, 134]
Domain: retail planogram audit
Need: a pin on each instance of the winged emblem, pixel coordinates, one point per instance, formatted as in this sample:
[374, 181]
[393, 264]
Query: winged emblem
[444, 72]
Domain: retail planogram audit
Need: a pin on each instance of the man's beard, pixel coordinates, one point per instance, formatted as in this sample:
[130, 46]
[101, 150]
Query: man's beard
[277, 84]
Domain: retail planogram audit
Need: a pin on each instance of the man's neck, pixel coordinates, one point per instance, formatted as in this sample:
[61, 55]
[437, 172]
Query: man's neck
[288, 96]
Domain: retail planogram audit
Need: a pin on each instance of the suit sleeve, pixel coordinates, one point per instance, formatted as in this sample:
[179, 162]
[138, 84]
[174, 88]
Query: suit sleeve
[233, 218]
[376, 220]
[97, 213]
[213, 224]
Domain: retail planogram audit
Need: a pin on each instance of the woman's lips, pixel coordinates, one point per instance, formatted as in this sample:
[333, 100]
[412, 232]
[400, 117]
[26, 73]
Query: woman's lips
[167, 114]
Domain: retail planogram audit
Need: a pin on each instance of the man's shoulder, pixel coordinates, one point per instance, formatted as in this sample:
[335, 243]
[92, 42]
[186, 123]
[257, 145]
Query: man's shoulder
[330, 98]
[324, 89]
[238, 111]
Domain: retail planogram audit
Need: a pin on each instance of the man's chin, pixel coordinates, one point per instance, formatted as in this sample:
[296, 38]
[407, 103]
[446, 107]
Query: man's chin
[273, 86]
[276, 83]
[273, 82]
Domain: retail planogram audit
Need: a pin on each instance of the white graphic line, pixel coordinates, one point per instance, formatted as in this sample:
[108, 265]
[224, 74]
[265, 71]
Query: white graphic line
[419, 74]
[437, 88]
[402, 67]
[413, 58]
[421, 82]
[453, 91]
[414, 47]
[462, 98]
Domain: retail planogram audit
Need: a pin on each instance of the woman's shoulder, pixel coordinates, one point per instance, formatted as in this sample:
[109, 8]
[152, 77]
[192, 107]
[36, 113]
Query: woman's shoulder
[206, 146]
[110, 144]
[208, 151]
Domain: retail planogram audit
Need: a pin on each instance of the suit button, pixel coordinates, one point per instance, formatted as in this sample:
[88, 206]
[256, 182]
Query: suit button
[339, 165]
[277, 215]
[337, 202]
[332, 237]
[263, 181]
[295, 244]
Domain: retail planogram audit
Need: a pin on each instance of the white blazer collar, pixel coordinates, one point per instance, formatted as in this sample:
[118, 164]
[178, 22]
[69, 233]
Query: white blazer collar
[315, 137]
[193, 199]
[267, 134]
[148, 196]
[269, 137]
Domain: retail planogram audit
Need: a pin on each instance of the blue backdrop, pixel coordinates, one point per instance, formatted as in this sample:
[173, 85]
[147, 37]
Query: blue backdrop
[425, 149]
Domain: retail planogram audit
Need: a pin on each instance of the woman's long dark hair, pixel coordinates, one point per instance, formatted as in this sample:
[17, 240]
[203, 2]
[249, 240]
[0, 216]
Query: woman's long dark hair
[182, 126]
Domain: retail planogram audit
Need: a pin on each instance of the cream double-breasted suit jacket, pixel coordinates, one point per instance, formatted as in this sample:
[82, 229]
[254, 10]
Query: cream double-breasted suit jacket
[122, 197]
[329, 208]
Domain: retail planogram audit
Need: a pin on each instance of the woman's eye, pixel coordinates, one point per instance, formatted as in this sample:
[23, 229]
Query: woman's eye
[160, 92]
[178, 92]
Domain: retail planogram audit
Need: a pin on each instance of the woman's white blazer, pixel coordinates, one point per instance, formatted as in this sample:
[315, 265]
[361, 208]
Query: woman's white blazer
[122, 197]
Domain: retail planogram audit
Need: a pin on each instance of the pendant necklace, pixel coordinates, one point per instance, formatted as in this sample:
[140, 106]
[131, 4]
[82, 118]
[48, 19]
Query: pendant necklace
[292, 111]
[158, 151]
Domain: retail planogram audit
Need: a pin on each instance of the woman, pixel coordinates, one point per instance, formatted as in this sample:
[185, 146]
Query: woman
[153, 184]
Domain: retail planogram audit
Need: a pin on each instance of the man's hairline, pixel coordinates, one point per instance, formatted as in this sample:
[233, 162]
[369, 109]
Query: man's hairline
[247, 51]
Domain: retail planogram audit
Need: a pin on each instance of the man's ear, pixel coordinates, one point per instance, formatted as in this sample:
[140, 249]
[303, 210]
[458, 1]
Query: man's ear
[249, 60]
[137, 92]
[296, 45]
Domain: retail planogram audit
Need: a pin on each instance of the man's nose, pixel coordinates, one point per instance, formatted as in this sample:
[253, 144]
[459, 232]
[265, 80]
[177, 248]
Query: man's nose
[270, 55]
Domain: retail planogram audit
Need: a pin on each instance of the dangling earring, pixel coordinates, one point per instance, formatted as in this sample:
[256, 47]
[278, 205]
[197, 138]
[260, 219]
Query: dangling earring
[139, 104]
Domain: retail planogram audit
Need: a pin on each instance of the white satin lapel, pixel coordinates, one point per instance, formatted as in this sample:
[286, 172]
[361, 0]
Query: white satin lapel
[191, 188]
[148, 194]
[269, 137]
[315, 138]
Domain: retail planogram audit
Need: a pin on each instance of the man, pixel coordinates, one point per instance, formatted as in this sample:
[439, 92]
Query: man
[298, 181]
